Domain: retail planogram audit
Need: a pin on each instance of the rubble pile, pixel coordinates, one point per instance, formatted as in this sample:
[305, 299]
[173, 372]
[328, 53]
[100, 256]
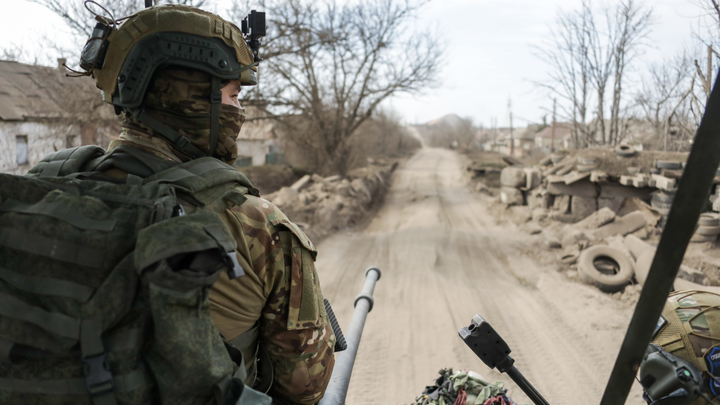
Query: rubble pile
[322, 205]
[604, 209]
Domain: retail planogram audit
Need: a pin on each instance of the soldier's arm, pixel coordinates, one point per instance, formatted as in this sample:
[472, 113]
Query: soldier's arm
[293, 324]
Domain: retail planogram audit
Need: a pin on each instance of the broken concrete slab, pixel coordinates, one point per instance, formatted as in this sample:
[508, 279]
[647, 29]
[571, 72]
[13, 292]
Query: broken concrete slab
[664, 183]
[612, 203]
[575, 177]
[635, 204]
[621, 226]
[616, 242]
[636, 246]
[531, 228]
[582, 188]
[565, 169]
[612, 190]
[562, 204]
[285, 197]
[574, 237]
[512, 177]
[597, 219]
[581, 207]
[640, 181]
[597, 176]
[554, 178]
[302, 183]
[511, 195]
[333, 178]
[533, 178]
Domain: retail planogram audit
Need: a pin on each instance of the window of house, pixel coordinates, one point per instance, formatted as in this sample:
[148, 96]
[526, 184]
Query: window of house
[21, 142]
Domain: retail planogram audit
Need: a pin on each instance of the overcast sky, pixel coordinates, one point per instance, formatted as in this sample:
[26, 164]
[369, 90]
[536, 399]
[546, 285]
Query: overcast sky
[489, 57]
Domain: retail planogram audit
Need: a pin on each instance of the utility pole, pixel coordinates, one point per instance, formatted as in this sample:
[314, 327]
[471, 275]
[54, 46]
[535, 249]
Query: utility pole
[552, 129]
[709, 74]
[512, 138]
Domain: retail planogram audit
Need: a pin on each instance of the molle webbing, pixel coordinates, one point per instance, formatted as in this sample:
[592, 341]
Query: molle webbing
[65, 162]
[59, 211]
[46, 285]
[72, 386]
[202, 174]
[51, 247]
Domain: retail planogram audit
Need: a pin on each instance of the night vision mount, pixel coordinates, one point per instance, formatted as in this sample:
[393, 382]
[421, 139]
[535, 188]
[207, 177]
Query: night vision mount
[253, 27]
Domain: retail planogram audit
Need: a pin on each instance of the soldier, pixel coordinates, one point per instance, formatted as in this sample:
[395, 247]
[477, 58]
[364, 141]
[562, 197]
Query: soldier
[682, 364]
[175, 73]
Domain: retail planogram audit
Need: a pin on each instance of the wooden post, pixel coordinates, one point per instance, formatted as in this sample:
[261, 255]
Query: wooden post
[512, 138]
[552, 129]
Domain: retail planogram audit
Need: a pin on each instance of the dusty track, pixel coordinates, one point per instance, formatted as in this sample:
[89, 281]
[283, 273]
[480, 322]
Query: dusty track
[443, 261]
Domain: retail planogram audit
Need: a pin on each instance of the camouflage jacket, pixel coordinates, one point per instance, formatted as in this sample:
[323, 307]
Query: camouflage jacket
[280, 292]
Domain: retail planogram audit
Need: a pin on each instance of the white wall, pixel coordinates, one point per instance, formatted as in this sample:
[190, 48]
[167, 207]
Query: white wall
[43, 139]
[256, 149]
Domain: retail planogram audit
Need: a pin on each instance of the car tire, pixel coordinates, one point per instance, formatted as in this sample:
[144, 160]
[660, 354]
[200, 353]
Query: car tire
[697, 238]
[666, 164]
[708, 231]
[708, 219]
[625, 150]
[608, 282]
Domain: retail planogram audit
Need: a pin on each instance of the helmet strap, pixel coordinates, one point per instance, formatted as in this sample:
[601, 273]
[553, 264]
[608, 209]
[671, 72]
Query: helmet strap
[215, 101]
[180, 142]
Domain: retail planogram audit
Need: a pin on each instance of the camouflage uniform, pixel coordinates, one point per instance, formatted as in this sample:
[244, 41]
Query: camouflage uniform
[280, 292]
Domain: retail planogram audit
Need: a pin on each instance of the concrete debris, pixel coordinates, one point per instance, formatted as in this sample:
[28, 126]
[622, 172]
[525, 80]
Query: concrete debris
[513, 177]
[597, 219]
[614, 204]
[562, 204]
[531, 228]
[664, 183]
[597, 176]
[574, 237]
[480, 187]
[285, 196]
[575, 177]
[302, 183]
[511, 195]
[583, 188]
[581, 207]
[621, 226]
[636, 246]
[333, 178]
[533, 178]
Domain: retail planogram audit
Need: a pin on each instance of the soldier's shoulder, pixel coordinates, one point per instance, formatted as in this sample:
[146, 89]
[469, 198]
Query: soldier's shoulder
[259, 213]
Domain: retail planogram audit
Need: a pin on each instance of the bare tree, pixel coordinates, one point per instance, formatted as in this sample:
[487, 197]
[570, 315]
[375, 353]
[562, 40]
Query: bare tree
[566, 51]
[329, 66]
[665, 102]
[600, 59]
[632, 23]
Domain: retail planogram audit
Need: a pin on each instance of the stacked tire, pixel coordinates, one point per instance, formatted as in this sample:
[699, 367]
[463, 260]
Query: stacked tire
[708, 228]
[661, 201]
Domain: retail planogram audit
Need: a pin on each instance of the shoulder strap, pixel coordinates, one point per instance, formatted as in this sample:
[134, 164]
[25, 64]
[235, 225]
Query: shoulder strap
[202, 174]
[66, 161]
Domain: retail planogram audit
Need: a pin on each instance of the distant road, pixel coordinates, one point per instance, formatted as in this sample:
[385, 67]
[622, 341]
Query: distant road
[443, 261]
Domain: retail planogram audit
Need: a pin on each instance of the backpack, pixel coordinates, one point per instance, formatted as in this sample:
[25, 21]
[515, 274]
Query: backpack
[104, 287]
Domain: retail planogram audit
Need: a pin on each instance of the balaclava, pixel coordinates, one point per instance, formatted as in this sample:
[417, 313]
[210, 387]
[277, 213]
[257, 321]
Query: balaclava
[179, 98]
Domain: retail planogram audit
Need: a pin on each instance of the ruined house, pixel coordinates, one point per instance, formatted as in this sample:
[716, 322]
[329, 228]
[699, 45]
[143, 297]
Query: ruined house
[43, 111]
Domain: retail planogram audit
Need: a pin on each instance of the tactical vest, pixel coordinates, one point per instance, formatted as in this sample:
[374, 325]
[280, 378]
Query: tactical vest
[89, 316]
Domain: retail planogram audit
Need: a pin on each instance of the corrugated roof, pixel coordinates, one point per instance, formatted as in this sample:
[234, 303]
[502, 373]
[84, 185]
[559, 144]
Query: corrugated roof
[26, 91]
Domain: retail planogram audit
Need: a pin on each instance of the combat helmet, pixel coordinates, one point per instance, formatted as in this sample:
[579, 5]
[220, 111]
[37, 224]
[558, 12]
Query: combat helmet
[123, 57]
[682, 364]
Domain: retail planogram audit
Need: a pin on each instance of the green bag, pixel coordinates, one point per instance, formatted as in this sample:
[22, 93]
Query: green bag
[104, 289]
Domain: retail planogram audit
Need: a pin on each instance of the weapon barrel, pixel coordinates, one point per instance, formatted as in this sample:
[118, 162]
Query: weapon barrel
[340, 379]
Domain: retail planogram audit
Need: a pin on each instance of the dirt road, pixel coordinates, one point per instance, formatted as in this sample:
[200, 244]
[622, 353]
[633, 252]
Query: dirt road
[443, 261]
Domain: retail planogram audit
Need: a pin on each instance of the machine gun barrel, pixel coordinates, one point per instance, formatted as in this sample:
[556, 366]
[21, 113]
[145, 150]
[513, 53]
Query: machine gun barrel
[340, 379]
